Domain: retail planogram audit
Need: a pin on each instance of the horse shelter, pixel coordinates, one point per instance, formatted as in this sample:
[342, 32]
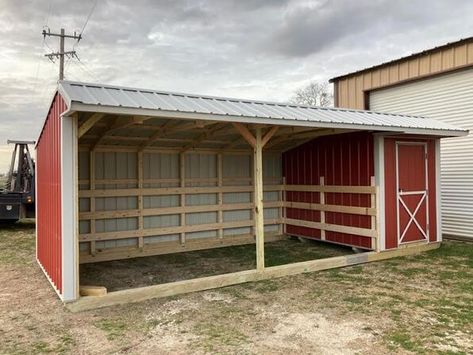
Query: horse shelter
[125, 173]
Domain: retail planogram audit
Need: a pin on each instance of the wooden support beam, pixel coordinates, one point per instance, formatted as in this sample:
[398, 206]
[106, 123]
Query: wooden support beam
[204, 136]
[365, 232]
[210, 282]
[182, 176]
[172, 247]
[220, 194]
[374, 243]
[140, 201]
[92, 291]
[111, 122]
[89, 123]
[322, 212]
[161, 131]
[245, 132]
[92, 199]
[268, 135]
[258, 199]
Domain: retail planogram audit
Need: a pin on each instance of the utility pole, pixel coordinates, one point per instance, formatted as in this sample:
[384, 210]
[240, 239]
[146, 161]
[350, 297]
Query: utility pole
[61, 54]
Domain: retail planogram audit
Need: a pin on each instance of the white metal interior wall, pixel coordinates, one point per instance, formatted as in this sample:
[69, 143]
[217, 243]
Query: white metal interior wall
[119, 170]
[447, 98]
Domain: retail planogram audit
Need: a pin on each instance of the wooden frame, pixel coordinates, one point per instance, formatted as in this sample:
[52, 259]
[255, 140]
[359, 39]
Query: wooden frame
[257, 137]
[220, 207]
[206, 283]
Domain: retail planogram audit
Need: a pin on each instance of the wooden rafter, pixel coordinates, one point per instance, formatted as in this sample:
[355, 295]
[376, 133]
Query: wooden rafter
[246, 134]
[114, 125]
[204, 136]
[111, 122]
[89, 123]
[158, 134]
[268, 135]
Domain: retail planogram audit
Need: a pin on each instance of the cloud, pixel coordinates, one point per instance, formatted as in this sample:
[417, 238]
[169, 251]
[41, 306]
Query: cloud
[251, 49]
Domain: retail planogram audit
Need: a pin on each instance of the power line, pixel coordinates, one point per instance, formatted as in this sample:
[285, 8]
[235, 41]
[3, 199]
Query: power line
[88, 17]
[61, 54]
[86, 22]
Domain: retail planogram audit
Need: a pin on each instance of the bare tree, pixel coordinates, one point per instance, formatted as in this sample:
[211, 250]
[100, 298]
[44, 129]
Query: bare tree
[314, 94]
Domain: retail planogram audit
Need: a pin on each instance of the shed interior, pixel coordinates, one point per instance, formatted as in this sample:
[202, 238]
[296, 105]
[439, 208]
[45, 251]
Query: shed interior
[151, 186]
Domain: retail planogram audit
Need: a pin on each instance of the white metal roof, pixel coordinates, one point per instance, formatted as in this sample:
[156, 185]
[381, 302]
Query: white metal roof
[122, 100]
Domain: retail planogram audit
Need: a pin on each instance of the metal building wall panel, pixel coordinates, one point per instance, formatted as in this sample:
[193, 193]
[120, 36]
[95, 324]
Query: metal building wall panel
[453, 56]
[447, 98]
[48, 200]
[345, 159]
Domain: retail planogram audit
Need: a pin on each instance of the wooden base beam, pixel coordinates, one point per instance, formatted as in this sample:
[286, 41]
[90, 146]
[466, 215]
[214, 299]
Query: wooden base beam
[173, 247]
[92, 290]
[211, 282]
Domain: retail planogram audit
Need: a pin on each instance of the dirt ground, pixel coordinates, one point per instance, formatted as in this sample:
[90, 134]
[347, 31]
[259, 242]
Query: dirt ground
[419, 304]
[152, 270]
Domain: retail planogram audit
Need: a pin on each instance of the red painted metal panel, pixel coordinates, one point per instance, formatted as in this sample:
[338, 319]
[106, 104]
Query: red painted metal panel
[411, 177]
[48, 201]
[345, 159]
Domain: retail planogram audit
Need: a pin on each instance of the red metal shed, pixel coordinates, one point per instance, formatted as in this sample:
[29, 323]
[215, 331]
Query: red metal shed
[107, 154]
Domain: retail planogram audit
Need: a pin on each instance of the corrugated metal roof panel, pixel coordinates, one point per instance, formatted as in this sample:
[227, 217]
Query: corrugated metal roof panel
[115, 96]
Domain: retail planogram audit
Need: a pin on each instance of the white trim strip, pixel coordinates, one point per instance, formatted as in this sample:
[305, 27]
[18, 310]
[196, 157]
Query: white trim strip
[379, 178]
[68, 207]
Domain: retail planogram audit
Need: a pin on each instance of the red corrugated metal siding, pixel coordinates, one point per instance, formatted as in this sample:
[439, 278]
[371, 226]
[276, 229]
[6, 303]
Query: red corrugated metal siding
[48, 202]
[390, 189]
[345, 159]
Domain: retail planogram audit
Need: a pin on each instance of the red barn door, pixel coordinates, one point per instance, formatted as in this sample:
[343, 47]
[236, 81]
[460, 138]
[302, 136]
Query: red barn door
[412, 192]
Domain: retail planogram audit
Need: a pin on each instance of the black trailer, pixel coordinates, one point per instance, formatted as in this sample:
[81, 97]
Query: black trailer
[17, 198]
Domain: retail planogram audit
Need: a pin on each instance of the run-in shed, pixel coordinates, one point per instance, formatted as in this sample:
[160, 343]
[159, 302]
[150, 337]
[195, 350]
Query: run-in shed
[124, 173]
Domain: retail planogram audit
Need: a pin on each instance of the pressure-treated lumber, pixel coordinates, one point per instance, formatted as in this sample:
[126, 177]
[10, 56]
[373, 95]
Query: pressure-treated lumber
[175, 247]
[206, 283]
[170, 230]
[178, 210]
[333, 227]
[92, 290]
[322, 211]
[258, 197]
[246, 134]
[216, 189]
[364, 211]
[172, 191]
[89, 123]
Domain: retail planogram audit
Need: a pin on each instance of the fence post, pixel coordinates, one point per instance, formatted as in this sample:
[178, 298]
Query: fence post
[322, 202]
[374, 241]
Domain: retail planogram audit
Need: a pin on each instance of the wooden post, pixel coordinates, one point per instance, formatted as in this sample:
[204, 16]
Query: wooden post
[140, 200]
[374, 241]
[258, 200]
[282, 210]
[220, 194]
[182, 175]
[92, 199]
[322, 212]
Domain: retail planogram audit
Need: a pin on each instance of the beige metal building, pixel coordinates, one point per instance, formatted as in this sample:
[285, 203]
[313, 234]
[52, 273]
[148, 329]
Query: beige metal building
[437, 83]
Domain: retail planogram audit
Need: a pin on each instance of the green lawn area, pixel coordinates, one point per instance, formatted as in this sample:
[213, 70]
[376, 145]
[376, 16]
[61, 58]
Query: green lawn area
[419, 304]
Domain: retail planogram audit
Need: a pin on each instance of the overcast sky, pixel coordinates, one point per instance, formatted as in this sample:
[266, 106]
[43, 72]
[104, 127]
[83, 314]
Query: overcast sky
[260, 49]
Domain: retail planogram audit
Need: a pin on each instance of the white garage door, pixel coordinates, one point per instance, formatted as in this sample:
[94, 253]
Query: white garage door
[448, 98]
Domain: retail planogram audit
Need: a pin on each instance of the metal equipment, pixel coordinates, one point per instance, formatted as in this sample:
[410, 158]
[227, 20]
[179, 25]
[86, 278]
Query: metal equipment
[17, 197]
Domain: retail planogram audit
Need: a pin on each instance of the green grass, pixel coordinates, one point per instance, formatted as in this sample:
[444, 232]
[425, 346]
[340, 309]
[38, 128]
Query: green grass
[404, 340]
[214, 337]
[17, 243]
[114, 328]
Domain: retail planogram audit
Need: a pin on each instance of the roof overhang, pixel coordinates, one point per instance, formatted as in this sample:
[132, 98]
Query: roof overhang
[119, 110]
